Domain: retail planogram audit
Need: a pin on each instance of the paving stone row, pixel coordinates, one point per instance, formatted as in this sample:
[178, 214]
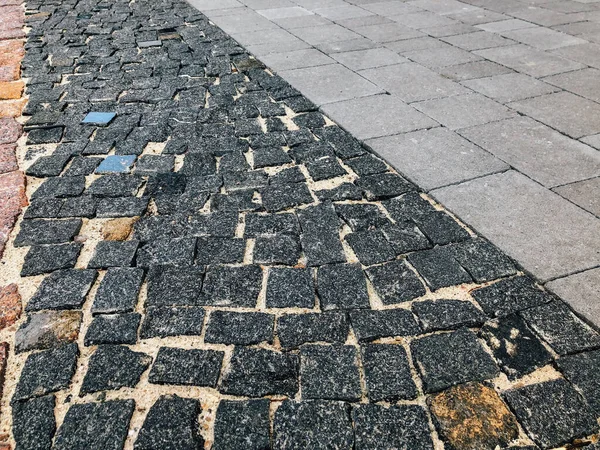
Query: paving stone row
[203, 238]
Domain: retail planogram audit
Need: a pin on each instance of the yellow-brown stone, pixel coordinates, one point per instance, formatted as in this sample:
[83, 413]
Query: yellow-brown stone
[118, 229]
[12, 108]
[473, 417]
[11, 90]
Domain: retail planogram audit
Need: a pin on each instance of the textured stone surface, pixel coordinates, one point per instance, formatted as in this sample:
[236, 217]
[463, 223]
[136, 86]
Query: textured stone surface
[171, 423]
[10, 305]
[188, 367]
[44, 330]
[472, 416]
[387, 373]
[33, 423]
[552, 412]
[100, 425]
[242, 424]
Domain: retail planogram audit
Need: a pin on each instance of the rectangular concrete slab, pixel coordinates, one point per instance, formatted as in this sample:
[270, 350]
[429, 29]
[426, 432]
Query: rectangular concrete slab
[581, 82]
[543, 38]
[540, 152]
[505, 25]
[367, 59]
[442, 56]
[413, 82]
[378, 115]
[324, 33]
[588, 54]
[585, 194]
[530, 61]
[243, 22]
[568, 113]
[549, 236]
[461, 111]
[436, 157]
[296, 59]
[510, 87]
[388, 32]
[328, 84]
[582, 292]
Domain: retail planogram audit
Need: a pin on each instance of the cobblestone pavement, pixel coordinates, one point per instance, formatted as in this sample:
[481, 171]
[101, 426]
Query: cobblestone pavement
[209, 262]
[490, 106]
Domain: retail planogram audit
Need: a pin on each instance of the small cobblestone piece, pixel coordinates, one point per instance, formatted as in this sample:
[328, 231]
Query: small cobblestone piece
[47, 329]
[42, 259]
[256, 372]
[47, 372]
[312, 424]
[171, 424]
[118, 291]
[34, 423]
[342, 286]
[95, 425]
[242, 425]
[225, 327]
[175, 286]
[403, 426]
[394, 282]
[113, 367]
[553, 413]
[582, 371]
[166, 321]
[290, 288]
[113, 329]
[369, 324]
[297, 329]
[447, 314]
[10, 305]
[473, 417]
[329, 372]
[63, 289]
[233, 286]
[463, 359]
[186, 367]
[387, 373]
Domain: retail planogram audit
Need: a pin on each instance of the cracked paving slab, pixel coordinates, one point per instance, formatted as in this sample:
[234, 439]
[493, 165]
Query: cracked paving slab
[207, 261]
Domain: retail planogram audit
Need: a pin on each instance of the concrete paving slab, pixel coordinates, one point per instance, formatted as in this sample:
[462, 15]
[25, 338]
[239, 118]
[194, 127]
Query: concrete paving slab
[469, 71]
[463, 111]
[336, 13]
[592, 140]
[541, 16]
[436, 157]
[549, 236]
[505, 25]
[543, 38]
[271, 36]
[412, 82]
[541, 153]
[331, 83]
[303, 21]
[424, 19]
[443, 6]
[510, 87]
[585, 194]
[449, 30]
[283, 46]
[588, 54]
[207, 5]
[243, 22]
[568, 113]
[284, 13]
[324, 34]
[388, 32]
[296, 59]
[356, 22]
[409, 45]
[441, 56]
[478, 40]
[379, 115]
[530, 61]
[581, 82]
[478, 16]
[367, 59]
[391, 8]
[581, 291]
[346, 46]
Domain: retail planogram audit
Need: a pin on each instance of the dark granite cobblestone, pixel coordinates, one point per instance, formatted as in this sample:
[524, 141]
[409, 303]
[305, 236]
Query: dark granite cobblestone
[290, 274]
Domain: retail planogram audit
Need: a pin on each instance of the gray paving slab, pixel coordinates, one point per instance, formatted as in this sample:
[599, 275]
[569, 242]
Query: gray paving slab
[296, 59]
[268, 4]
[207, 5]
[391, 8]
[409, 45]
[568, 113]
[593, 140]
[585, 193]
[510, 87]
[356, 22]
[443, 6]
[436, 157]
[423, 19]
[543, 38]
[540, 152]
[477, 69]
[351, 45]
[588, 54]
[260, 50]
[284, 13]
[331, 83]
[505, 25]
[441, 56]
[388, 32]
[581, 291]
[449, 30]
[530, 61]
[336, 13]
[368, 59]
[461, 111]
[541, 16]
[243, 22]
[545, 233]
[581, 82]
[478, 40]
[378, 115]
[412, 82]
[324, 34]
[301, 21]
[478, 16]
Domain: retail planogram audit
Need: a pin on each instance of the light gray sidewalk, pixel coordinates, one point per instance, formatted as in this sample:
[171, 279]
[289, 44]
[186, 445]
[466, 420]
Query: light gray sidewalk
[492, 107]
